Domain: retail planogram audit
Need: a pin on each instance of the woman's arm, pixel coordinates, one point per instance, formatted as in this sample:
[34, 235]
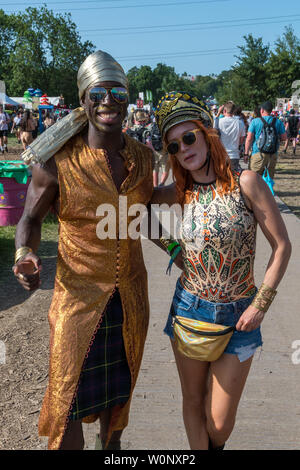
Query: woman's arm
[260, 199]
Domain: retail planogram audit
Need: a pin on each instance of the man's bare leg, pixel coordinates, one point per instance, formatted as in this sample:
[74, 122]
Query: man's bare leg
[104, 425]
[73, 437]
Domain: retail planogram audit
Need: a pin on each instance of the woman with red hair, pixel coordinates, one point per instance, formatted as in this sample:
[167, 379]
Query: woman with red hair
[215, 250]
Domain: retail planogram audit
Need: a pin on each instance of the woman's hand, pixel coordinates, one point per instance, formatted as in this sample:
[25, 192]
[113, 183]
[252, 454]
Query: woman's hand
[27, 271]
[250, 319]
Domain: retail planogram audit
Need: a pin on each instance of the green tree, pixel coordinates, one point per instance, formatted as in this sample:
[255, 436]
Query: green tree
[205, 85]
[44, 50]
[251, 71]
[7, 41]
[165, 80]
[160, 80]
[283, 67]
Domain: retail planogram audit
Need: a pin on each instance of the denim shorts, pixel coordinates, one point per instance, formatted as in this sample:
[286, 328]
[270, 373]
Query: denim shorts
[185, 304]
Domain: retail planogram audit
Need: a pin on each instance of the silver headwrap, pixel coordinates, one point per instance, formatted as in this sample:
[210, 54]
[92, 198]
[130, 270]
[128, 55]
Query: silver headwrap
[97, 67]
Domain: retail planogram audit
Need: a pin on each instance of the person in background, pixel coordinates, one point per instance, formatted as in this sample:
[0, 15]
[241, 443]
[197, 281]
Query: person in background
[27, 125]
[130, 118]
[292, 129]
[238, 112]
[48, 121]
[231, 131]
[258, 160]
[16, 126]
[35, 118]
[4, 122]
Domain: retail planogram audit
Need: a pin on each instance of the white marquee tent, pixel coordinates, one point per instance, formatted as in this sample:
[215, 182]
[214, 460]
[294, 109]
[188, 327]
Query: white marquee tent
[4, 99]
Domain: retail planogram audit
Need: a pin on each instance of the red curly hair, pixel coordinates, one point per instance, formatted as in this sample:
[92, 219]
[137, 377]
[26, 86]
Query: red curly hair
[224, 178]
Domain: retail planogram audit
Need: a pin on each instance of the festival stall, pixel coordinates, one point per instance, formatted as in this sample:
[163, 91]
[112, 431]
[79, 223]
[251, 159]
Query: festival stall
[14, 182]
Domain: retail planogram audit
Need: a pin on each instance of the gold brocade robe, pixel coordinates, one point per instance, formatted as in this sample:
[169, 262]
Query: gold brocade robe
[89, 269]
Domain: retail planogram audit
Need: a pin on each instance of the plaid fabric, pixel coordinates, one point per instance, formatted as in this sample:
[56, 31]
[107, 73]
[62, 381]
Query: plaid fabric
[105, 378]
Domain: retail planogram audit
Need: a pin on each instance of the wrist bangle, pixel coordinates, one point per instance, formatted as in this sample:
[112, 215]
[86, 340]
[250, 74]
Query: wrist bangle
[169, 243]
[264, 298]
[176, 252]
[22, 251]
[173, 256]
[171, 247]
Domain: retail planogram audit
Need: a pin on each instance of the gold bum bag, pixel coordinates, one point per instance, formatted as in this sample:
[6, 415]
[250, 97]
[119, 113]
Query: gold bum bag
[200, 340]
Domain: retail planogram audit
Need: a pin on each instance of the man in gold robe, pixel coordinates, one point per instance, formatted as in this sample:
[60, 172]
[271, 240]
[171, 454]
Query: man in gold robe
[99, 312]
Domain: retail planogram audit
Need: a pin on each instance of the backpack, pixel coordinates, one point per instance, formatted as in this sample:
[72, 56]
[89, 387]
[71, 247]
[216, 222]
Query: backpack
[137, 133]
[156, 138]
[268, 139]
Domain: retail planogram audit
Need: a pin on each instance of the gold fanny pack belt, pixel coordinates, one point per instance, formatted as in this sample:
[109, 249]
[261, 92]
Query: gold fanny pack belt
[200, 340]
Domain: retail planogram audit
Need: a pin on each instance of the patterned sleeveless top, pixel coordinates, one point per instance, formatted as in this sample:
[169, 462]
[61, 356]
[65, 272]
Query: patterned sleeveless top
[218, 238]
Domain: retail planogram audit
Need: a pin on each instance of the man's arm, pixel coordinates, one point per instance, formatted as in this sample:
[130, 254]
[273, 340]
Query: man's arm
[248, 144]
[242, 132]
[41, 195]
[163, 196]
[282, 131]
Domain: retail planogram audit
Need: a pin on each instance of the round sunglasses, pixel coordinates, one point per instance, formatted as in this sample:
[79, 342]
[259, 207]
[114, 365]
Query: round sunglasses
[119, 94]
[188, 138]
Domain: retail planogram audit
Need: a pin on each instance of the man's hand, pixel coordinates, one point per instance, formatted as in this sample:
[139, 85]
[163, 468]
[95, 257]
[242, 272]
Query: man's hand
[179, 261]
[246, 158]
[220, 110]
[250, 319]
[27, 271]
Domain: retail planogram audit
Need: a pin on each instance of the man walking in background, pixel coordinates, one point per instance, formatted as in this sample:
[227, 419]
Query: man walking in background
[292, 128]
[263, 157]
[4, 121]
[232, 133]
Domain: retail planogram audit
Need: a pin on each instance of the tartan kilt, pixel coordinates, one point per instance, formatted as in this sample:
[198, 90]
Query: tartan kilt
[105, 379]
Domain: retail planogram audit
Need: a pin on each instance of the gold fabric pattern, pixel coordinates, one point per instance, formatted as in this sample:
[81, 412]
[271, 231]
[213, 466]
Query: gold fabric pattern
[99, 67]
[88, 270]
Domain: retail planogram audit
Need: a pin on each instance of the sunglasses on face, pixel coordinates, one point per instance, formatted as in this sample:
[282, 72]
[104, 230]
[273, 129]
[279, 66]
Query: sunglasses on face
[119, 94]
[188, 138]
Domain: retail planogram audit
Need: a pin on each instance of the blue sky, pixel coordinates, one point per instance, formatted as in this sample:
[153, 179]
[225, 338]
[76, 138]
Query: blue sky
[197, 37]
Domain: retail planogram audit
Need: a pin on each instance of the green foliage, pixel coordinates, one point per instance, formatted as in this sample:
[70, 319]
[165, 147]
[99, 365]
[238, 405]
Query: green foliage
[285, 60]
[259, 74]
[250, 70]
[42, 50]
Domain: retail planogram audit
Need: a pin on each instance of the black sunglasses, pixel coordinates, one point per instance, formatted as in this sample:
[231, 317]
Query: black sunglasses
[119, 94]
[188, 138]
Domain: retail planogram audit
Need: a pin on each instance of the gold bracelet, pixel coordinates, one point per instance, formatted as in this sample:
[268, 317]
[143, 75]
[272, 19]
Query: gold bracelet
[264, 298]
[22, 251]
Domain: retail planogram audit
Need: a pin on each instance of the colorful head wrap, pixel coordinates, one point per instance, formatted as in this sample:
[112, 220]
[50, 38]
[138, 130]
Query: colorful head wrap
[177, 107]
[97, 67]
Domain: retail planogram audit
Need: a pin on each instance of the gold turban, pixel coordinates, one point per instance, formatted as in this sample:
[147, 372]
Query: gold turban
[97, 67]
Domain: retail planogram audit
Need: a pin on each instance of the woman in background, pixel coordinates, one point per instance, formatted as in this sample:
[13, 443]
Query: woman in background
[27, 126]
